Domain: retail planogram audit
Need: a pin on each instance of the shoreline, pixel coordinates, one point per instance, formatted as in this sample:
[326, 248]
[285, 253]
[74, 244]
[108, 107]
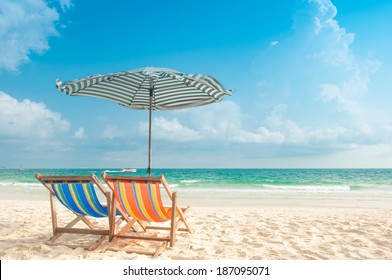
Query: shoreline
[246, 200]
[220, 233]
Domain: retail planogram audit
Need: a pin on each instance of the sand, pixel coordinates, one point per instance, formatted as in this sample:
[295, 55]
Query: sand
[220, 233]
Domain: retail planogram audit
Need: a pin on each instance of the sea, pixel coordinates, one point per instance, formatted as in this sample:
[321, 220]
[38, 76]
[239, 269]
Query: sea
[364, 188]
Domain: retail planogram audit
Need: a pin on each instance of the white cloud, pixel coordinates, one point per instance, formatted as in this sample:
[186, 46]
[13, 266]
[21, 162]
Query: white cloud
[25, 27]
[331, 43]
[29, 119]
[171, 130]
[226, 123]
[216, 121]
[344, 95]
[261, 136]
[80, 133]
[111, 132]
[66, 4]
[323, 83]
[322, 36]
[291, 131]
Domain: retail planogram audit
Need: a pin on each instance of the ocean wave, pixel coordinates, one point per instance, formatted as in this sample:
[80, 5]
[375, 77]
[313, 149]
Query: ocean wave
[20, 185]
[201, 186]
[308, 188]
[279, 189]
[190, 181]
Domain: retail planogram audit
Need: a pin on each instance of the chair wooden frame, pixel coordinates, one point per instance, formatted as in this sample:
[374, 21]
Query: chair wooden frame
[119, 186]
[52, 183]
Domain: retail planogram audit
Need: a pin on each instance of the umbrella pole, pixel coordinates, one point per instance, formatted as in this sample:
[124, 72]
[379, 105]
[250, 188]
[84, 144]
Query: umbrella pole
[150, 128]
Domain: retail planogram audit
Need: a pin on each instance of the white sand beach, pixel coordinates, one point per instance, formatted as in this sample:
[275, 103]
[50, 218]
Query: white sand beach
[220, 233]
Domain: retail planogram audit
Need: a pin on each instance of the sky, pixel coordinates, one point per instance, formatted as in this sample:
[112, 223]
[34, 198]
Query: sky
[311, 81]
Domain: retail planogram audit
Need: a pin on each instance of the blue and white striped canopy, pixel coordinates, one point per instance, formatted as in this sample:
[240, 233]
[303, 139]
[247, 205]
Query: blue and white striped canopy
[170, 89]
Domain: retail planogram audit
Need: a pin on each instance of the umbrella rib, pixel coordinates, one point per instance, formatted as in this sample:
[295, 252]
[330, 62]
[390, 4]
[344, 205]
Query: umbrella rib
[139, 88]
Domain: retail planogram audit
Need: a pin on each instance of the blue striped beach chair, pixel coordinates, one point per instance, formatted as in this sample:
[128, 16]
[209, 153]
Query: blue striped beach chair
[141, 198]
[78, 194]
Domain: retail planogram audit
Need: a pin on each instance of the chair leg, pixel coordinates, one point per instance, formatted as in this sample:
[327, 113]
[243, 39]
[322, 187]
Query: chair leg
[87, 222]
[53, 212]
[56, 235]
[160, 249]
[96, 244]
[182, 219]
[112, 219]
[173, 219]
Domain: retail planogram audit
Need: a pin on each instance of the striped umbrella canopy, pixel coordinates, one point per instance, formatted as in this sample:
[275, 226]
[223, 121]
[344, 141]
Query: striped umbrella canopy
[151, 89]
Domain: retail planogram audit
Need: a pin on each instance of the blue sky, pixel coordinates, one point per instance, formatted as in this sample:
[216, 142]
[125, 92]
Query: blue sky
[311, 79]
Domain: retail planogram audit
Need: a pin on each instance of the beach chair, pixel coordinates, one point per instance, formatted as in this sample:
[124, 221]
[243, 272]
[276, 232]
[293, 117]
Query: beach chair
[141, 199]
[78, 194]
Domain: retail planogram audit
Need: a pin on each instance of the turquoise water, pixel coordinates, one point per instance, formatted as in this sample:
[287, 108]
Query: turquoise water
[317, 187]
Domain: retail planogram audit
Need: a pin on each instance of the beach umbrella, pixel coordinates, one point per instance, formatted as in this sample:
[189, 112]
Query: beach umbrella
[151, 89]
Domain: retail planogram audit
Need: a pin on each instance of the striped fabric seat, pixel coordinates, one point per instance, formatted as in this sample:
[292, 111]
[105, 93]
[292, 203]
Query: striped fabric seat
[80, 197]
[142, 199]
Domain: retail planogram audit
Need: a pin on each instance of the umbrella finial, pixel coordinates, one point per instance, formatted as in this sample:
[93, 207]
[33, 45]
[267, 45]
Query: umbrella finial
[58, 83]
[60, 86]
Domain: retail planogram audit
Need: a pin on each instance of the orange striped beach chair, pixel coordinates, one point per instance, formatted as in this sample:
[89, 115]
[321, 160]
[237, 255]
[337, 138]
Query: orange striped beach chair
[141, 199]
[78, 194]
